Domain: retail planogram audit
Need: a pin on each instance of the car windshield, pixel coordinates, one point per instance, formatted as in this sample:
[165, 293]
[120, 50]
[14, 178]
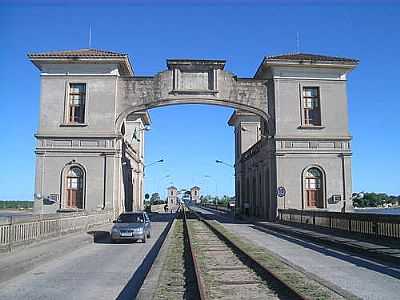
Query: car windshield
[130, 218]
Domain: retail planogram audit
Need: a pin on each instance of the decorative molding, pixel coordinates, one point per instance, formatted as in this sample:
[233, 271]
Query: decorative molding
[77, 135]
[310, 127]
[73, 125]
[194, 92]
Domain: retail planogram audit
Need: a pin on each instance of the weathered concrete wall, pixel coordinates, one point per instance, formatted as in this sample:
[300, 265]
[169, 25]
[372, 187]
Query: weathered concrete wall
[99, 105]
[288, 107]
[18, 231]
[98, 189]
[144, 93]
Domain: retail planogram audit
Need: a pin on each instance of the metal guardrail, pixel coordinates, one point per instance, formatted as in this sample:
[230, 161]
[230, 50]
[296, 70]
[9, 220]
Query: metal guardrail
[217, 207]
[22, 230]
[369, 225]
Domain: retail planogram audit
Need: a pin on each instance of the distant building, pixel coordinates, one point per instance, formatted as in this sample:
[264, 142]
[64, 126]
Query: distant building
[195, 194]
[172, 198]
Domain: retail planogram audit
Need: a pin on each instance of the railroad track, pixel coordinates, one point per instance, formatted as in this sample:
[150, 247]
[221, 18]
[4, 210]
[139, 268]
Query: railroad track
[205, 261]
[225, 268]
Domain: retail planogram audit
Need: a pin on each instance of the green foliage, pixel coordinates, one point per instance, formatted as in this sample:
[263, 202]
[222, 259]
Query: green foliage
[16, 204]
[155, 197]
[375, 200]
[224, 200]
[221, 201]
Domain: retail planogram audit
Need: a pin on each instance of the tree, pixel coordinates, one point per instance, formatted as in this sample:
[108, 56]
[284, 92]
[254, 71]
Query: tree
[375, 200]
[155, 198]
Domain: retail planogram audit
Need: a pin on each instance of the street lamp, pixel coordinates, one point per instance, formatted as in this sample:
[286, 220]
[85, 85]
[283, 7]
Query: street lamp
[261, 135]
[216, 186]
[224, 163]
[134, 135]
[153, 163]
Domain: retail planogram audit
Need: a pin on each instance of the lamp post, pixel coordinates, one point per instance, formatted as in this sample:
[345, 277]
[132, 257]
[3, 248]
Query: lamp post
[224, 163]
[151, 164]
[260, 134]
[166, 180]
[145, 128]
[216, 186]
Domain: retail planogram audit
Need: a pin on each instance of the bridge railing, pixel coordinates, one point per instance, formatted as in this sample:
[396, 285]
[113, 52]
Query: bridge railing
[16, 231]
[216, 207]
[369, 225]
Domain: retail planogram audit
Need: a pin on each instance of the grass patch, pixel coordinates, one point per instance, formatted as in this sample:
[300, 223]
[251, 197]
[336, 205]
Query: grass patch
[298, 281]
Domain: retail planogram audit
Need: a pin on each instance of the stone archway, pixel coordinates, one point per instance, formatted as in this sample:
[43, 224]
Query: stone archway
[191, 82]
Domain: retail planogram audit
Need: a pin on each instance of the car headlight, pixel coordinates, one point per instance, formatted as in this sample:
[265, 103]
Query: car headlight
[138, 229]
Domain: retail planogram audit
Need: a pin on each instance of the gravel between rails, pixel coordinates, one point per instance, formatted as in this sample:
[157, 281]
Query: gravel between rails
[177, 279]
[225, 273]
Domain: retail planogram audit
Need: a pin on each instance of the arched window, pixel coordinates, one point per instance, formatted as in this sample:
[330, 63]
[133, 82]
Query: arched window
[314, 188]
[74, 188]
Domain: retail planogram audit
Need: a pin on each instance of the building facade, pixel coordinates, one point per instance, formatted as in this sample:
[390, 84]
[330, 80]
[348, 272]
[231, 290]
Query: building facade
[195, 195]
[172, 196]
[290, 120]
[301, 157]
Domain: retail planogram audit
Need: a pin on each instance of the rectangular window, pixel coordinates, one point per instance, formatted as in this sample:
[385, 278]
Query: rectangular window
[313, 183]
[73, 183]
[311, 106]
[76, 103]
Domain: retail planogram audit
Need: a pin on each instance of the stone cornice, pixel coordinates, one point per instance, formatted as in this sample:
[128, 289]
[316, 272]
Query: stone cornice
[308, 138]
[78, 136]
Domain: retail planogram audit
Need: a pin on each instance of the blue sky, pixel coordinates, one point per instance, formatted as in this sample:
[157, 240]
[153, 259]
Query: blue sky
[241, 34]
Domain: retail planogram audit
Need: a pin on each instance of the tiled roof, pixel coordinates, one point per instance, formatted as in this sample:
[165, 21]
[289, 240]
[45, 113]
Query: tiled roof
[310, 57]
[83, 53]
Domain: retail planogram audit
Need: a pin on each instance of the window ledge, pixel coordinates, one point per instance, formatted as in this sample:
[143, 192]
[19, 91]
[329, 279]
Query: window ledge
[73, 125]
[310, 127]
[70, 210]
[194, 92]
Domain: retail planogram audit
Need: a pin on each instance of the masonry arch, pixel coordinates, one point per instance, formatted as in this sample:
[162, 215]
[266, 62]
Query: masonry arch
[314, 187]
[73, 186]
[187, 100]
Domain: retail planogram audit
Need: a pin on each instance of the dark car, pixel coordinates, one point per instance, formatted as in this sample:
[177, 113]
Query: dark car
[131, 226]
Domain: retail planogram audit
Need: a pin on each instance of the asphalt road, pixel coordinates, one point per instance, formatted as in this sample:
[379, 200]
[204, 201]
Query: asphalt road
[95, 270]
[365, 278]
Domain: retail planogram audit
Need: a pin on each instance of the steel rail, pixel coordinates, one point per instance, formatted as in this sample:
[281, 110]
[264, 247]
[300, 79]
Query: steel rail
[200, 281]
[253, 262]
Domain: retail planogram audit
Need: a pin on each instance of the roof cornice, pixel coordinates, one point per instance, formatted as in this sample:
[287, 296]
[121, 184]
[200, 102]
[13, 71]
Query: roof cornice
[306, 60]
[82, 56]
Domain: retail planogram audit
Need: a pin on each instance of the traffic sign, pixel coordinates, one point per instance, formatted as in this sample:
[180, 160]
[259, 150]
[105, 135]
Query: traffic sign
[281, 191]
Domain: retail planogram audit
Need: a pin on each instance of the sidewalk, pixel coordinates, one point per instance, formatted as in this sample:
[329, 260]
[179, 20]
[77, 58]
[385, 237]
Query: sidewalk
[26, 258]
[385, 250]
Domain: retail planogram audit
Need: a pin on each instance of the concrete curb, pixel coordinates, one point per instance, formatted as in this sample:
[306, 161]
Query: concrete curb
[358, 249]
[329, 241]
[150, 283]
[328, 284]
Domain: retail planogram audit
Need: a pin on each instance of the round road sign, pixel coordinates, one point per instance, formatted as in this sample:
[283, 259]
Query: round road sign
[281, 191]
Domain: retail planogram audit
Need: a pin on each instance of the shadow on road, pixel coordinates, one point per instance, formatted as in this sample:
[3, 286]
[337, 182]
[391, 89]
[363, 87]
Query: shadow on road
[104, 237]
[160, 217]
[353, 258]
[132, 288]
